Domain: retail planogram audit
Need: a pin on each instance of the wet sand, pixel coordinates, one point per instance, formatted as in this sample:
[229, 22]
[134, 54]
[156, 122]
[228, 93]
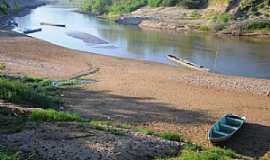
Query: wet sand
[149, 94]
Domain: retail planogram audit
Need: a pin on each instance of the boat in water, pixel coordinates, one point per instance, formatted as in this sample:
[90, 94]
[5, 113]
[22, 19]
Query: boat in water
[225, 128]
[28, 31]
[187, 63]
[51, 24]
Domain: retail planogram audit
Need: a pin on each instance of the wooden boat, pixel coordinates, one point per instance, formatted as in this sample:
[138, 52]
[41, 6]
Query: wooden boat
[51, 24]
[27, 31]
[187, 63]
[225, 128]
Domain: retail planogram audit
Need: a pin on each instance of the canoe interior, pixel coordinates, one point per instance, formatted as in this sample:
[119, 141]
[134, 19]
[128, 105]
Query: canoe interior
[225, 127]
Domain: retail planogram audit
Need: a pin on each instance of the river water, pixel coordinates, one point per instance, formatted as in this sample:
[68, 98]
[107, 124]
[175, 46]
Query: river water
[226, 55]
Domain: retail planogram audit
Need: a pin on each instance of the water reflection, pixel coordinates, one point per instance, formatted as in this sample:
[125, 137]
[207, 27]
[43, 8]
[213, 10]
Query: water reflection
[227, 55]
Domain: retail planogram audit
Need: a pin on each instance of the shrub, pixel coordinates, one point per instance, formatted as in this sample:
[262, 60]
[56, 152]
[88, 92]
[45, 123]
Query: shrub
[97, 7]
[191, 4]
[4, 7]
[168, 3]
[122, 7]
[154, 3]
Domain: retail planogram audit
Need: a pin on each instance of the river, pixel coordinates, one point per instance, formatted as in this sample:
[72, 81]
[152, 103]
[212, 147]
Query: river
[226, 55]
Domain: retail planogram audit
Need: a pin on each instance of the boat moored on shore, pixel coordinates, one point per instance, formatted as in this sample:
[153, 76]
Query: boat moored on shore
[187, 63]
[225, 128]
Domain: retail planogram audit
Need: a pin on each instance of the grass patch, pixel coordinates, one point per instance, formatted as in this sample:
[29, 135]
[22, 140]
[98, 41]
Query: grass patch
[110, 129]
[190, 150]
[31, 91]
[110, 123]
[109, 126]
[51, 115]
[207, 154]
[4, 155]
[195, 152]
[11, 155]
[171, 136]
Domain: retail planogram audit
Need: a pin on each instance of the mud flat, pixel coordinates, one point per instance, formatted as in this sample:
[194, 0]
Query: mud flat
[150, 94]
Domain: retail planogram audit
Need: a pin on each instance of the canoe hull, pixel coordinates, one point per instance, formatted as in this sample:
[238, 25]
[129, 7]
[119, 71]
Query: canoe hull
[225, 128]
[28, 31]
[51, 24]
[187, 63]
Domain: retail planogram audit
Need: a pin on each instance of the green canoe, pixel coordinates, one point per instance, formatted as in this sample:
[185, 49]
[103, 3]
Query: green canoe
[225, 128]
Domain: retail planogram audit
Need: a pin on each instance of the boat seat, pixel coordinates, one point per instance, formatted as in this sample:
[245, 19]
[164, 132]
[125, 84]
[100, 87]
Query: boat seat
[228, 126]
[234, 119]
[221, 133]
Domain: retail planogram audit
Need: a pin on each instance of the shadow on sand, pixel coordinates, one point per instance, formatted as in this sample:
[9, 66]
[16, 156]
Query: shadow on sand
[252, 140]
[104, 105]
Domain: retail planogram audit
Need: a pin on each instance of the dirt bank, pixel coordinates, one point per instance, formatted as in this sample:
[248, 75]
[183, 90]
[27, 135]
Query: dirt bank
[168, 18]
[69, 141]
[147, 94]
[201, 20]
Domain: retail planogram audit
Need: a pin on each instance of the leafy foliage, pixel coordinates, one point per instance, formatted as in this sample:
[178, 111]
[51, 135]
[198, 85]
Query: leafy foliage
[4, 7]
[118, 7]
[122, 7]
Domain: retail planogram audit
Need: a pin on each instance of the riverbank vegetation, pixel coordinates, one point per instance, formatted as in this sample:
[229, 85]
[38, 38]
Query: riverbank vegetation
[246, 16]
[29, 91]
[114, 8]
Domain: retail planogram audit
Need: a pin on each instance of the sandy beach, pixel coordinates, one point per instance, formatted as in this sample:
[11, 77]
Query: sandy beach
[149, 94]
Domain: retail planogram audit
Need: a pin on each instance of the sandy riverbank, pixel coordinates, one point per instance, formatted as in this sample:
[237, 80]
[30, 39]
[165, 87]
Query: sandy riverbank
[160, 96]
